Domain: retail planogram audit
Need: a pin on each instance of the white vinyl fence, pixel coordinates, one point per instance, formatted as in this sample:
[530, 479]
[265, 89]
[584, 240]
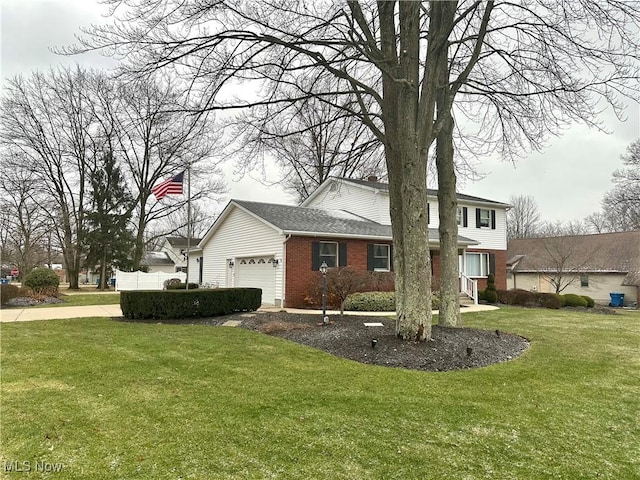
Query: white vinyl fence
[145, 281]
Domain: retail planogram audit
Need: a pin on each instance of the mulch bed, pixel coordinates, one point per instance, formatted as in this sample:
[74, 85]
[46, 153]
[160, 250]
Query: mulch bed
[348, 337]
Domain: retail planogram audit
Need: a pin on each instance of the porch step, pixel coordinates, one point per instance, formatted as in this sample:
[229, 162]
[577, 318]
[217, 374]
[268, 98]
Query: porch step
[465, 300]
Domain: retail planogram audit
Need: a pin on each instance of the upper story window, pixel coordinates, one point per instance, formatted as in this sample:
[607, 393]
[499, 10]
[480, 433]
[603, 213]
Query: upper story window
[485, 218]
[329, 253]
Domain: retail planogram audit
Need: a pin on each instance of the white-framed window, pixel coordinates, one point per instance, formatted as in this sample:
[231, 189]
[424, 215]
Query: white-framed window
[584, 280]
[485, 218]
[459, 217]
[381, 258]
[474, 264]
[329, 253]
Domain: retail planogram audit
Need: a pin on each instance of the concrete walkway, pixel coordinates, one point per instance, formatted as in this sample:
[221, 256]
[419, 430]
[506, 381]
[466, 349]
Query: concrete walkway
[54, 313]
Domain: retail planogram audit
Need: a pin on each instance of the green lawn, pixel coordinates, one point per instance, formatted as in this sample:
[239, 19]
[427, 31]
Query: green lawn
[82, 299]
[110, 400]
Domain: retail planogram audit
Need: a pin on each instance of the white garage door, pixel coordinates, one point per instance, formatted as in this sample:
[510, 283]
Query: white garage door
[257, 272]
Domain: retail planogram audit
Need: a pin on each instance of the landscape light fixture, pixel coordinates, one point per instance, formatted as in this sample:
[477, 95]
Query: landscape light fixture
[323, 268]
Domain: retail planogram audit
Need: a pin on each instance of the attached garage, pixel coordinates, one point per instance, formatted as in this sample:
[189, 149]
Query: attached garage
[257, 272]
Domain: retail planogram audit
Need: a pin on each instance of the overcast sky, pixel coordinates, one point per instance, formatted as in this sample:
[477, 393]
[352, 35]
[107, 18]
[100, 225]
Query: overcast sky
[567, 180]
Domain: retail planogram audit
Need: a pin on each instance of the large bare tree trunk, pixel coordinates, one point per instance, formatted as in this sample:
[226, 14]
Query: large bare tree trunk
[449, 315]
[407, 170]
[448, 228]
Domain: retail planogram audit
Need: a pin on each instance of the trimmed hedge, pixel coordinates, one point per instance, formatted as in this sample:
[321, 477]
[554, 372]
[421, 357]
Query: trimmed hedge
[199, 303]
[551, 300]
[573, 300]
[371, 302]
[525, 298]
[377, 302]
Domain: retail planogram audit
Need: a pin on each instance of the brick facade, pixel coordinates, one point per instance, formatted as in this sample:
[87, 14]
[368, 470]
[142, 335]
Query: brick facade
[300, 276]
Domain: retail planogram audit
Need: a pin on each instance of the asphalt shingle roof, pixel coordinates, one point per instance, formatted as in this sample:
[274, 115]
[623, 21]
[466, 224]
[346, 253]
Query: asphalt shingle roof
[156, 258]
[303, 220]
[605, 252]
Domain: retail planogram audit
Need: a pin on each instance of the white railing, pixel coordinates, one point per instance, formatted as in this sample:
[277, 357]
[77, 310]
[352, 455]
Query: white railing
[469, 287]
[145, 281]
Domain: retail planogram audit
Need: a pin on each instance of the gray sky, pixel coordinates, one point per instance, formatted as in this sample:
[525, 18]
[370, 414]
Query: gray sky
[568, 179]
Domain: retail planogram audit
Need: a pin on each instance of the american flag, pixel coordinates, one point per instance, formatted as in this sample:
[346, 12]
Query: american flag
[173, 186]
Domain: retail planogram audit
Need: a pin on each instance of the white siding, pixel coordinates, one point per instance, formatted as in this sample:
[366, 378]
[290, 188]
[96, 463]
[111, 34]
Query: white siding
[240, 235]
[488, 238]
[375, 206]
[355, 199]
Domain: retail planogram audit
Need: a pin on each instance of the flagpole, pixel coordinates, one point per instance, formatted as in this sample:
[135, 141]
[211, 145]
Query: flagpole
[188, 219]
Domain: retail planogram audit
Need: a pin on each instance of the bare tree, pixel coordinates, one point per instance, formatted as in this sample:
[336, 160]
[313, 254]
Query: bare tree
[26, 226]
[563, 259]
[523, 218]
[148, 128]
[509, 65]
[310, 142]
[621, 205]
[48, 119]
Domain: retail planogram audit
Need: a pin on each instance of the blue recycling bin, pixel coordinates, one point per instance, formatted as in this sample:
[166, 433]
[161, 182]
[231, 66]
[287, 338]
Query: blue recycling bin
[617, 299]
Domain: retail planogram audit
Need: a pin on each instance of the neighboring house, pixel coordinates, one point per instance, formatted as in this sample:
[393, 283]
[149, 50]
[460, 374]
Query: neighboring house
[154, 262]
[172, 257]
[345, 222]
[594, 265]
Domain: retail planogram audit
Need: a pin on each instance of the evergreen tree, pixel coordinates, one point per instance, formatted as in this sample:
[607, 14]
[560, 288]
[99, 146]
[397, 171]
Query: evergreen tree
[108, 242]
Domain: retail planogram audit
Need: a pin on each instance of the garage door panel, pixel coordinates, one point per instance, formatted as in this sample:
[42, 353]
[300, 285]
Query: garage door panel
[257, 272]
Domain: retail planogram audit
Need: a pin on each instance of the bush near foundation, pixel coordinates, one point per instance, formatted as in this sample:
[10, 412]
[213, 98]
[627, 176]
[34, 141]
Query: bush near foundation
[590, 301]
[199, 303]
[378, 302]
[551, 300]
[573, 300]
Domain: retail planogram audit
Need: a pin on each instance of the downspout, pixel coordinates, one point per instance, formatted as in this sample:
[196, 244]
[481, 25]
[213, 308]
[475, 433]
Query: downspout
[284, 271]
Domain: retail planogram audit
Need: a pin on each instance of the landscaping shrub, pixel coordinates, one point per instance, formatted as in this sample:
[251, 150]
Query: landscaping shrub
[489, 294]
[197, 303]
[590, 301]
[371, 302]
[573, 300]
[181, 286]
[551, 300]
[342, 282]
[42, 280]
[523, 298]
[378, 302]
[8, 292]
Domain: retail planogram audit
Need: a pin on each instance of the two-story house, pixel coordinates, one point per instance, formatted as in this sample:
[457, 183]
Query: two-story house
[344, 222]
